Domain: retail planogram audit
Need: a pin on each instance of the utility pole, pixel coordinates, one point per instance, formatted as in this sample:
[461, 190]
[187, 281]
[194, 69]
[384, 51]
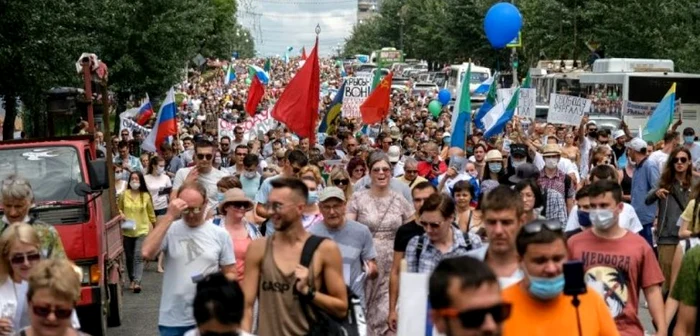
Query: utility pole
[514, 58]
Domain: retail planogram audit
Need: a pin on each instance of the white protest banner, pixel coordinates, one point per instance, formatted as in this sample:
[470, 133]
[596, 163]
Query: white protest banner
[356, 91]
[413, 306]
[567, 110]
[645, 109]
[130, 125]
[527, 103]
[262, 122]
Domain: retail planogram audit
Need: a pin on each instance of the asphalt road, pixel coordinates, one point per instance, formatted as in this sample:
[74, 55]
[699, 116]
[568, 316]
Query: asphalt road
[141, 310]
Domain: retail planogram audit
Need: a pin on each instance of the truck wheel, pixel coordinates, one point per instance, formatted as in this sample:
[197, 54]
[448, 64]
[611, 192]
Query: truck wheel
[93, 321]
[116, 298]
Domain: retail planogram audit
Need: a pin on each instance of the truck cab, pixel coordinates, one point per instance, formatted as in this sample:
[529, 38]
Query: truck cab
[70, 189]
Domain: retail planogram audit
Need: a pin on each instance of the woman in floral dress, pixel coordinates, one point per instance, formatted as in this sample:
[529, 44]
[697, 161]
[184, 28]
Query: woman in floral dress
[383, 211]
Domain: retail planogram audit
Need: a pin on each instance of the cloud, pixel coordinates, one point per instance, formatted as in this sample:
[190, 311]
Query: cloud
[278, 26]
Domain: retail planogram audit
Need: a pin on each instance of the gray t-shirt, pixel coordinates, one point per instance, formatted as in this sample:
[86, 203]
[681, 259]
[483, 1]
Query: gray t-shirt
[208, 181]
[189, 252]
[356, 246]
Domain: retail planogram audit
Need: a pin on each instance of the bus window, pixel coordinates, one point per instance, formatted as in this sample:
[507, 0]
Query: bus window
[568, 86]
[606, 98]
[542, 85]
[653, 89]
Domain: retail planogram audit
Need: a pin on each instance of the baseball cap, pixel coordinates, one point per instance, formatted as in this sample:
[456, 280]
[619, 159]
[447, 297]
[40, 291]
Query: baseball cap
[394, 154]
[331, 192]
[518, 150]
[523, 172]
[619, 133]
[637, 144]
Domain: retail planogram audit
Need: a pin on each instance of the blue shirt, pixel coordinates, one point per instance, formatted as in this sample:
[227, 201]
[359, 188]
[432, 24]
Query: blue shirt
[645, 178]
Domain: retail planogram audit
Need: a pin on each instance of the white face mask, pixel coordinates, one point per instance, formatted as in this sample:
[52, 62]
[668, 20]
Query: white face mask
[517, 163]
[602, 218]
[160, 170]
[250, 175]
[551, 163]
[135, 185]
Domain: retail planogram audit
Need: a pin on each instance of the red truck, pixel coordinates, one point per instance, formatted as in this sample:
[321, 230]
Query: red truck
[71, 193]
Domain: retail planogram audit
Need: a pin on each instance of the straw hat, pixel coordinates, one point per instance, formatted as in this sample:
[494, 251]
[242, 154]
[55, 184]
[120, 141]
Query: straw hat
[234, 195]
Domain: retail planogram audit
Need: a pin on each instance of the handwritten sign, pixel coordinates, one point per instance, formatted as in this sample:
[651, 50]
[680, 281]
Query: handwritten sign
[356, 91]
[527, 103]
[261, 123]
[127, 124]
[567, 110]
[645, 109]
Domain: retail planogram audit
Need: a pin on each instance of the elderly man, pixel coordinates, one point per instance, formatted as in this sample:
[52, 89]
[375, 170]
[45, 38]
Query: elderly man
[410, 173]
[17, 198]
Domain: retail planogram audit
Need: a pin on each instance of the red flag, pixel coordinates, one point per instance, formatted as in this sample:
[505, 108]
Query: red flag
[255, 94]
[303, 53]
[376, 106]
[297, 107]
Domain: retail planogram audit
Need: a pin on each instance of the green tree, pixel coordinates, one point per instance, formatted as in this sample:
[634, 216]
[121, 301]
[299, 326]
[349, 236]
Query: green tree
[364, 38]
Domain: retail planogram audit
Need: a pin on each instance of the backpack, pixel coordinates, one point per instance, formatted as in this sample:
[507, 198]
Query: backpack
[353, 324]
[422, 241]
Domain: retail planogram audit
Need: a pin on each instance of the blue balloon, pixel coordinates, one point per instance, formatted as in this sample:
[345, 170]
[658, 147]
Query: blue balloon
[444, 96]
[502, 24]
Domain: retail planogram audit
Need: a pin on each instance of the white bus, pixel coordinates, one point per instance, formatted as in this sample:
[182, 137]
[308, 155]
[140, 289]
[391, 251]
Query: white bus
[456, 76]
[555, 76]
[633, 87]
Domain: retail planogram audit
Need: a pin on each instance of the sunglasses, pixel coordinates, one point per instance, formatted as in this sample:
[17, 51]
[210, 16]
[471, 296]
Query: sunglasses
[45, 311]
[341, 181]
[680, 159]
[240, 205]
[191, 210]
[474, 318]
[205, 156]
[381, 169]
[410, 171]
[539, 225]
[25, 257]
[432, 225]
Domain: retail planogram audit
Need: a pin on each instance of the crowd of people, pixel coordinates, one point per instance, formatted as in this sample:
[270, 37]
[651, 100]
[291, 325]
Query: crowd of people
[231, 223]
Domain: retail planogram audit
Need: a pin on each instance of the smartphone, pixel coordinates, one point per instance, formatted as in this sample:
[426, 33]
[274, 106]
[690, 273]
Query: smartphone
[574, 283]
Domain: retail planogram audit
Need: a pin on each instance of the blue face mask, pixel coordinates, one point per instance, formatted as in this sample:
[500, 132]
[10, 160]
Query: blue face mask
[546, 288]
[219, 196]
[584, 219]
[313, 197]
[689, 139]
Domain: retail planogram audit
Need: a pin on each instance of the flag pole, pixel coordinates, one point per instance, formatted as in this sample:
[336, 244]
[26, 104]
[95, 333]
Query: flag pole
[312, 138]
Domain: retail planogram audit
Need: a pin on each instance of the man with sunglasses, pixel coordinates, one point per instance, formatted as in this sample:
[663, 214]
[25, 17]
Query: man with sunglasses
[225, 150]
[354, 240]
[503, 214]
[410, 173]
[237, 168]
[618, 262]
[465, 299]
[539, 306]
[193, 247]
[275, 276]
[433, 166]
[588, 133]
[238, 139]
[203, 172]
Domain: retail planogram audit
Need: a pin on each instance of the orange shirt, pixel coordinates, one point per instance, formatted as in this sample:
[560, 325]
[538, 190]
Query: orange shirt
[531, 317]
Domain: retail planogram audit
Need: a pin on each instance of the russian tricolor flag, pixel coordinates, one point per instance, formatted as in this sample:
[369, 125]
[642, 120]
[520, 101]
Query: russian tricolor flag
[484, 86]
[166, 124]
[145, 112]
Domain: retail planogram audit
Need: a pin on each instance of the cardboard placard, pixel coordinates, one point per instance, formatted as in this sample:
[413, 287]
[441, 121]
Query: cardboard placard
[567, 110]
[357, 89]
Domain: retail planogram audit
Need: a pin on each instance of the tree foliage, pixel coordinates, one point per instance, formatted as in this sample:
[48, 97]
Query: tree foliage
[145, 43]
[449, 31]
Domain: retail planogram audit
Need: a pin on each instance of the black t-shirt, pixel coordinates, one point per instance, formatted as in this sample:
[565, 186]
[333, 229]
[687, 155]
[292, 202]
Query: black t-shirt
[404, 235]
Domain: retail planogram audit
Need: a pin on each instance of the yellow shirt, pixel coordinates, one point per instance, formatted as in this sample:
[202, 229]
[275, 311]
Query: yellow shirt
[139, 209]
[531, 317]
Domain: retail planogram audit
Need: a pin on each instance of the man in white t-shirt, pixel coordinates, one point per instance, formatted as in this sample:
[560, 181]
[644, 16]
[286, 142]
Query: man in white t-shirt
[203, 172]
[193, 248]
[628, 217]
[588, 133]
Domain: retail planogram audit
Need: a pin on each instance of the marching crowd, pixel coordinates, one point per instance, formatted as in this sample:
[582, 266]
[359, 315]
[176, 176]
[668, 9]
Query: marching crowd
[270, 234]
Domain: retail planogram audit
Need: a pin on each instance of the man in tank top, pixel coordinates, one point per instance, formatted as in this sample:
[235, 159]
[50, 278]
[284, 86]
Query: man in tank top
[274, 276]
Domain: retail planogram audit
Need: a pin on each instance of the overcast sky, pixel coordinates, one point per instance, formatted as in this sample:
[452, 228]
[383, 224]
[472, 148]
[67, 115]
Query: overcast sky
[284, 23]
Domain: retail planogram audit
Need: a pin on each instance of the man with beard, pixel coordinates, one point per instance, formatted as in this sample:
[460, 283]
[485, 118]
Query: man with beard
[193, 248]
[275, 277]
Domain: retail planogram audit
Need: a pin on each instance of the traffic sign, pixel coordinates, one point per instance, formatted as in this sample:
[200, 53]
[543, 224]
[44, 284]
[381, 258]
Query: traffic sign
[517, 42]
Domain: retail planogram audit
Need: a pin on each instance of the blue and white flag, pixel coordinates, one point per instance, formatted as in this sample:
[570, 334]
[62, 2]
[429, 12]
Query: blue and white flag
[495, 120]
[484, 86]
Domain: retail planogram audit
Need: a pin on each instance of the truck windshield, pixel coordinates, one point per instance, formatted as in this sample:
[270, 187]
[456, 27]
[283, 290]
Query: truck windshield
[52, 172]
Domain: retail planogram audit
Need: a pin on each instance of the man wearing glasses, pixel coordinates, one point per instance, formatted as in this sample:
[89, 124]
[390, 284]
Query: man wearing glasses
[410, 173]
[238, 137]
[539, 304]
[193, 248]
[202, 172]
[237, 167]
[225, 149]
[354, 240]
[465, 298]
